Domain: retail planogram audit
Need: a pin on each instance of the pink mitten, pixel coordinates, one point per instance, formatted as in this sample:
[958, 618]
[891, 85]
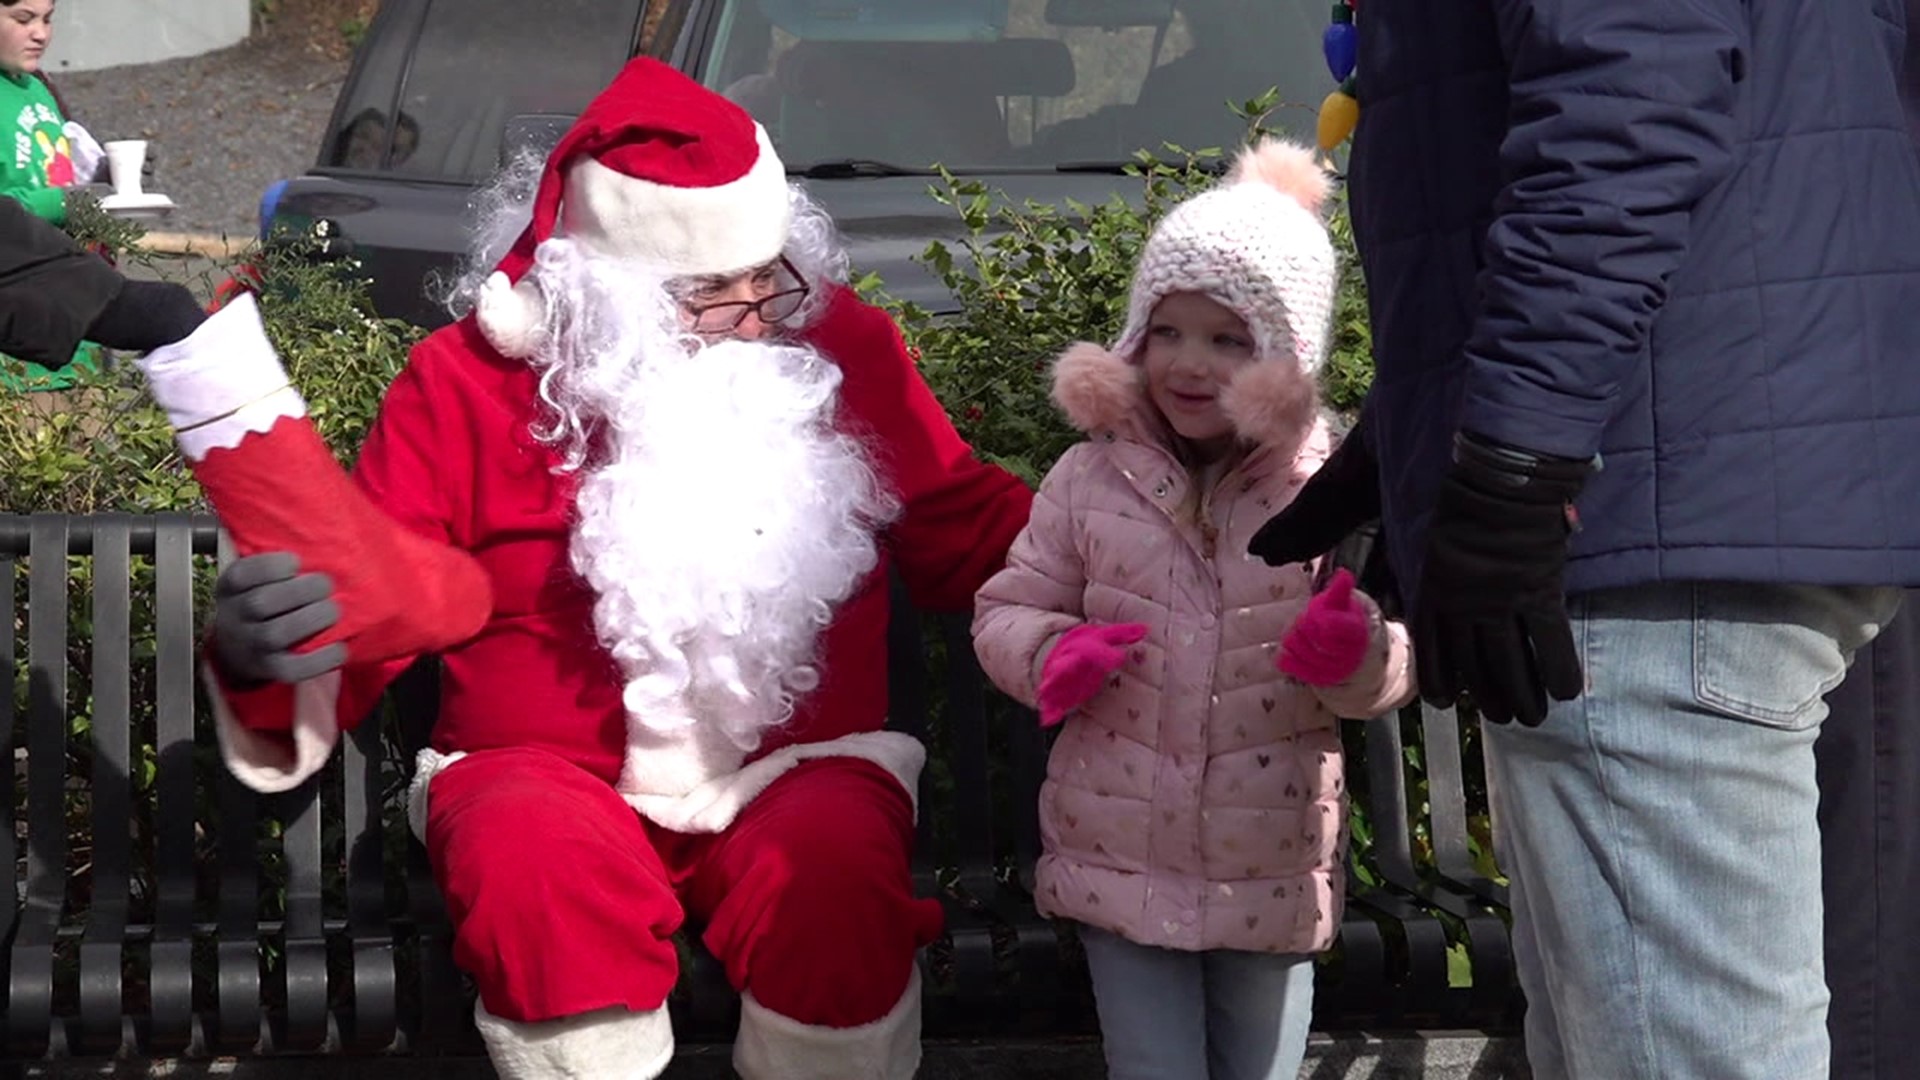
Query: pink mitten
[1327, 643]
[1079, 665]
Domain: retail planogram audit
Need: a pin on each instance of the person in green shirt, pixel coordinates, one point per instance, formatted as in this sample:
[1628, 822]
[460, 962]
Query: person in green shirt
[42, 156]
[42, 153]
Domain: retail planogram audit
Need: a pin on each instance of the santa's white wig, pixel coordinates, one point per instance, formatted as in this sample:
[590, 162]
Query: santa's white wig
[721, 514]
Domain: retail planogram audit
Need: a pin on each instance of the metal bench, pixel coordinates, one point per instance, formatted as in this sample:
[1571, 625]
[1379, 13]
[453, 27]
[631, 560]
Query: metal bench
[163, 910]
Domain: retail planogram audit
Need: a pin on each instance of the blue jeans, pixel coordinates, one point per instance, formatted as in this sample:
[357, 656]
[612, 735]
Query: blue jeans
[1219, 1015]
[1661, 833]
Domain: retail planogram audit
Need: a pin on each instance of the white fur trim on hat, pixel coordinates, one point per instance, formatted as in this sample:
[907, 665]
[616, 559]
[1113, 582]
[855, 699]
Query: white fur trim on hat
[674, 231]
[681, 231]
[1256, 245]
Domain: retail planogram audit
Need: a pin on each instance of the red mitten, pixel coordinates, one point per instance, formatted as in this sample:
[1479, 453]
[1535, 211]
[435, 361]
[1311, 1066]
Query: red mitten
[276, 486]
[1328, 642]
[1079, 665]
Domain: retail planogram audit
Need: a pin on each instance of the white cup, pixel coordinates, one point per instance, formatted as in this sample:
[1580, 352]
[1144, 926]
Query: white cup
[125, 159]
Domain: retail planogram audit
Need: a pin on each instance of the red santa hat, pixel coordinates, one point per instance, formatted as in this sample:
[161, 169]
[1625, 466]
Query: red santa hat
[658, 170]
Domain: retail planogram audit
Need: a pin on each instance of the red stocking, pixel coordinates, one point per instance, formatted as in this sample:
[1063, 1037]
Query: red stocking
[276, 487]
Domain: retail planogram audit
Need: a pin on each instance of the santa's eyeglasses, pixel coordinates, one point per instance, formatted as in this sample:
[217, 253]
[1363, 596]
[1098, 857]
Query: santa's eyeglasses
[776, 307]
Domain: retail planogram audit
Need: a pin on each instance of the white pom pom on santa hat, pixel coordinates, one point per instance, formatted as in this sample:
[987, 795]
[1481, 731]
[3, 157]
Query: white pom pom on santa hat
[658, 170]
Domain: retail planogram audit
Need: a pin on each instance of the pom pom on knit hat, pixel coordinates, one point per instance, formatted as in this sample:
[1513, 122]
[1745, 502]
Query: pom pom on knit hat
[1287, 168]
[1257, 245]
[658, 170]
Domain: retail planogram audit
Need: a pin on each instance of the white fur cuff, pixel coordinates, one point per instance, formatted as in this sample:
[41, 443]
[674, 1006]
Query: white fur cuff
[266, 762]
[427, 764]
[222, 381]
[774, 1047]
[606, 1044]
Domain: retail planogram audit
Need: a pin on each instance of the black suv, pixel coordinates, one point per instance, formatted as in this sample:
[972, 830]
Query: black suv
[1044, 99]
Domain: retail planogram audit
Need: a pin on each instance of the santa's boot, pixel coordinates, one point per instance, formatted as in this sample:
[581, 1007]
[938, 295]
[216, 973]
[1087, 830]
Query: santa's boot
[774, 1047]
[606, 1044]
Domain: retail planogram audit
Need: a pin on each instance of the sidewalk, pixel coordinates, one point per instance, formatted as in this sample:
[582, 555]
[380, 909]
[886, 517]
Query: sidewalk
[1413, 1056]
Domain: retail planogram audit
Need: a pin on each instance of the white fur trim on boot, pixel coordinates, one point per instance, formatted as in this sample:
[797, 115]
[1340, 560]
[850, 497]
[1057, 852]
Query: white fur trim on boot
[774, 1047]
[606, 1044]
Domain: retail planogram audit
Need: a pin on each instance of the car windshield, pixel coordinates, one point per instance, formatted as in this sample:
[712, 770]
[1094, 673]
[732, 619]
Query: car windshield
[847, 87]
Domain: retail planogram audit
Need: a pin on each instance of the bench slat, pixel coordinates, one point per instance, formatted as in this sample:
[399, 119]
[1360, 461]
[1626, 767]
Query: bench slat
[101, 1003]
[907, 706]
[304, 959]
[237, 1015]
[175, 540]
[1475, 899]
[968, 756]
[9, 784]
[373, 1021]
[30, 997]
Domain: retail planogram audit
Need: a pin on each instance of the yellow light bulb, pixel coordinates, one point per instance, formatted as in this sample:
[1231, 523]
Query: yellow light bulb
[1339, 115]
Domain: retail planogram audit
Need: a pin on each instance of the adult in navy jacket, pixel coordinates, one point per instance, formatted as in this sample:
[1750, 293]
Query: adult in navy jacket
[1869, 762]
[1645, 436]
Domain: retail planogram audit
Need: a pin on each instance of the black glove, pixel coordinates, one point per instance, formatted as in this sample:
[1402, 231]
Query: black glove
[1342, 496]
[262, 607]
[1491, 614]
[146, 315]
[51, 289]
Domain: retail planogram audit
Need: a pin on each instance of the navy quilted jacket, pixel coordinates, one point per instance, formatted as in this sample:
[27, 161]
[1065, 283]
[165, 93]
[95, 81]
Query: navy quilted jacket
[1683, 234]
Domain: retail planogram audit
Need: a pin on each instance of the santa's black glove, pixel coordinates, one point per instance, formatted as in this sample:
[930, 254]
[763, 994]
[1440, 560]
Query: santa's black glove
[1491, 616]
[1339, 498]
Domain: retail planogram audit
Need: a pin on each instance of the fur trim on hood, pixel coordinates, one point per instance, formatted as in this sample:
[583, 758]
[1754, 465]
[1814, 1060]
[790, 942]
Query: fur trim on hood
[1272, 403]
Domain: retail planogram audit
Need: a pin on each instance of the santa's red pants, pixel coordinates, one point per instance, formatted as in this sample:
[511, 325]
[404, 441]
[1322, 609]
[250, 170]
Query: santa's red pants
[563, 900]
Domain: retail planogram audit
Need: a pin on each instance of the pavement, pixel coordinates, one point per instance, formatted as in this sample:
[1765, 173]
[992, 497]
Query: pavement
[1399, 1056]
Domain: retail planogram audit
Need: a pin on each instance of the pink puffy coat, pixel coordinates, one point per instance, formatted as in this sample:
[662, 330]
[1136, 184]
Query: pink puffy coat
[1198, 801]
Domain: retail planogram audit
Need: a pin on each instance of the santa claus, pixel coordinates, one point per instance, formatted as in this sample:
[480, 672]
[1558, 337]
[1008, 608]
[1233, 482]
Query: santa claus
[684, 454]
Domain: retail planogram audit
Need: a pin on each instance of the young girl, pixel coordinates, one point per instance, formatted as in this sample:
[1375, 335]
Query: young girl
[45, 152]
[1194, 811]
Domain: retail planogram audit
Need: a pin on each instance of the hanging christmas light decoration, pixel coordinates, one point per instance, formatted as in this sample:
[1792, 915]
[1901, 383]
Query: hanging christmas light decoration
[1340, 112]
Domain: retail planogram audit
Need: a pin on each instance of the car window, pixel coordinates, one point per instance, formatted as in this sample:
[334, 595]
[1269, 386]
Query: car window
[654, 18]
[361, 136]
[478, 63]
[978, 84]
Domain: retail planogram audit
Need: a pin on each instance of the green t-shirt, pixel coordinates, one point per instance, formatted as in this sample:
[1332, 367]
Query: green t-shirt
[36, 168]
[38, 165]
[20, 377]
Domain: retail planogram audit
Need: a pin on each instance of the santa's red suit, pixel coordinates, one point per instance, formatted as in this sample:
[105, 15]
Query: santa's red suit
[563, 898]
[564, 884]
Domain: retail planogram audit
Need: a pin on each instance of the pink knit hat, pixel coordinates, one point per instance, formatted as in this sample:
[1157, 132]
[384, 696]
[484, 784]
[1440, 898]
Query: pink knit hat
[1257, 245]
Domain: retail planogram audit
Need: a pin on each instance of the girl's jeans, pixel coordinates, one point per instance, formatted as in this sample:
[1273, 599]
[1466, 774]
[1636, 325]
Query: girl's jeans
[1662, 838]
[1220, 1015]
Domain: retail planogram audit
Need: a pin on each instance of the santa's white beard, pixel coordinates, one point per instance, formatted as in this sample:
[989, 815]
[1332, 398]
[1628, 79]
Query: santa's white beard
[725, 522]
